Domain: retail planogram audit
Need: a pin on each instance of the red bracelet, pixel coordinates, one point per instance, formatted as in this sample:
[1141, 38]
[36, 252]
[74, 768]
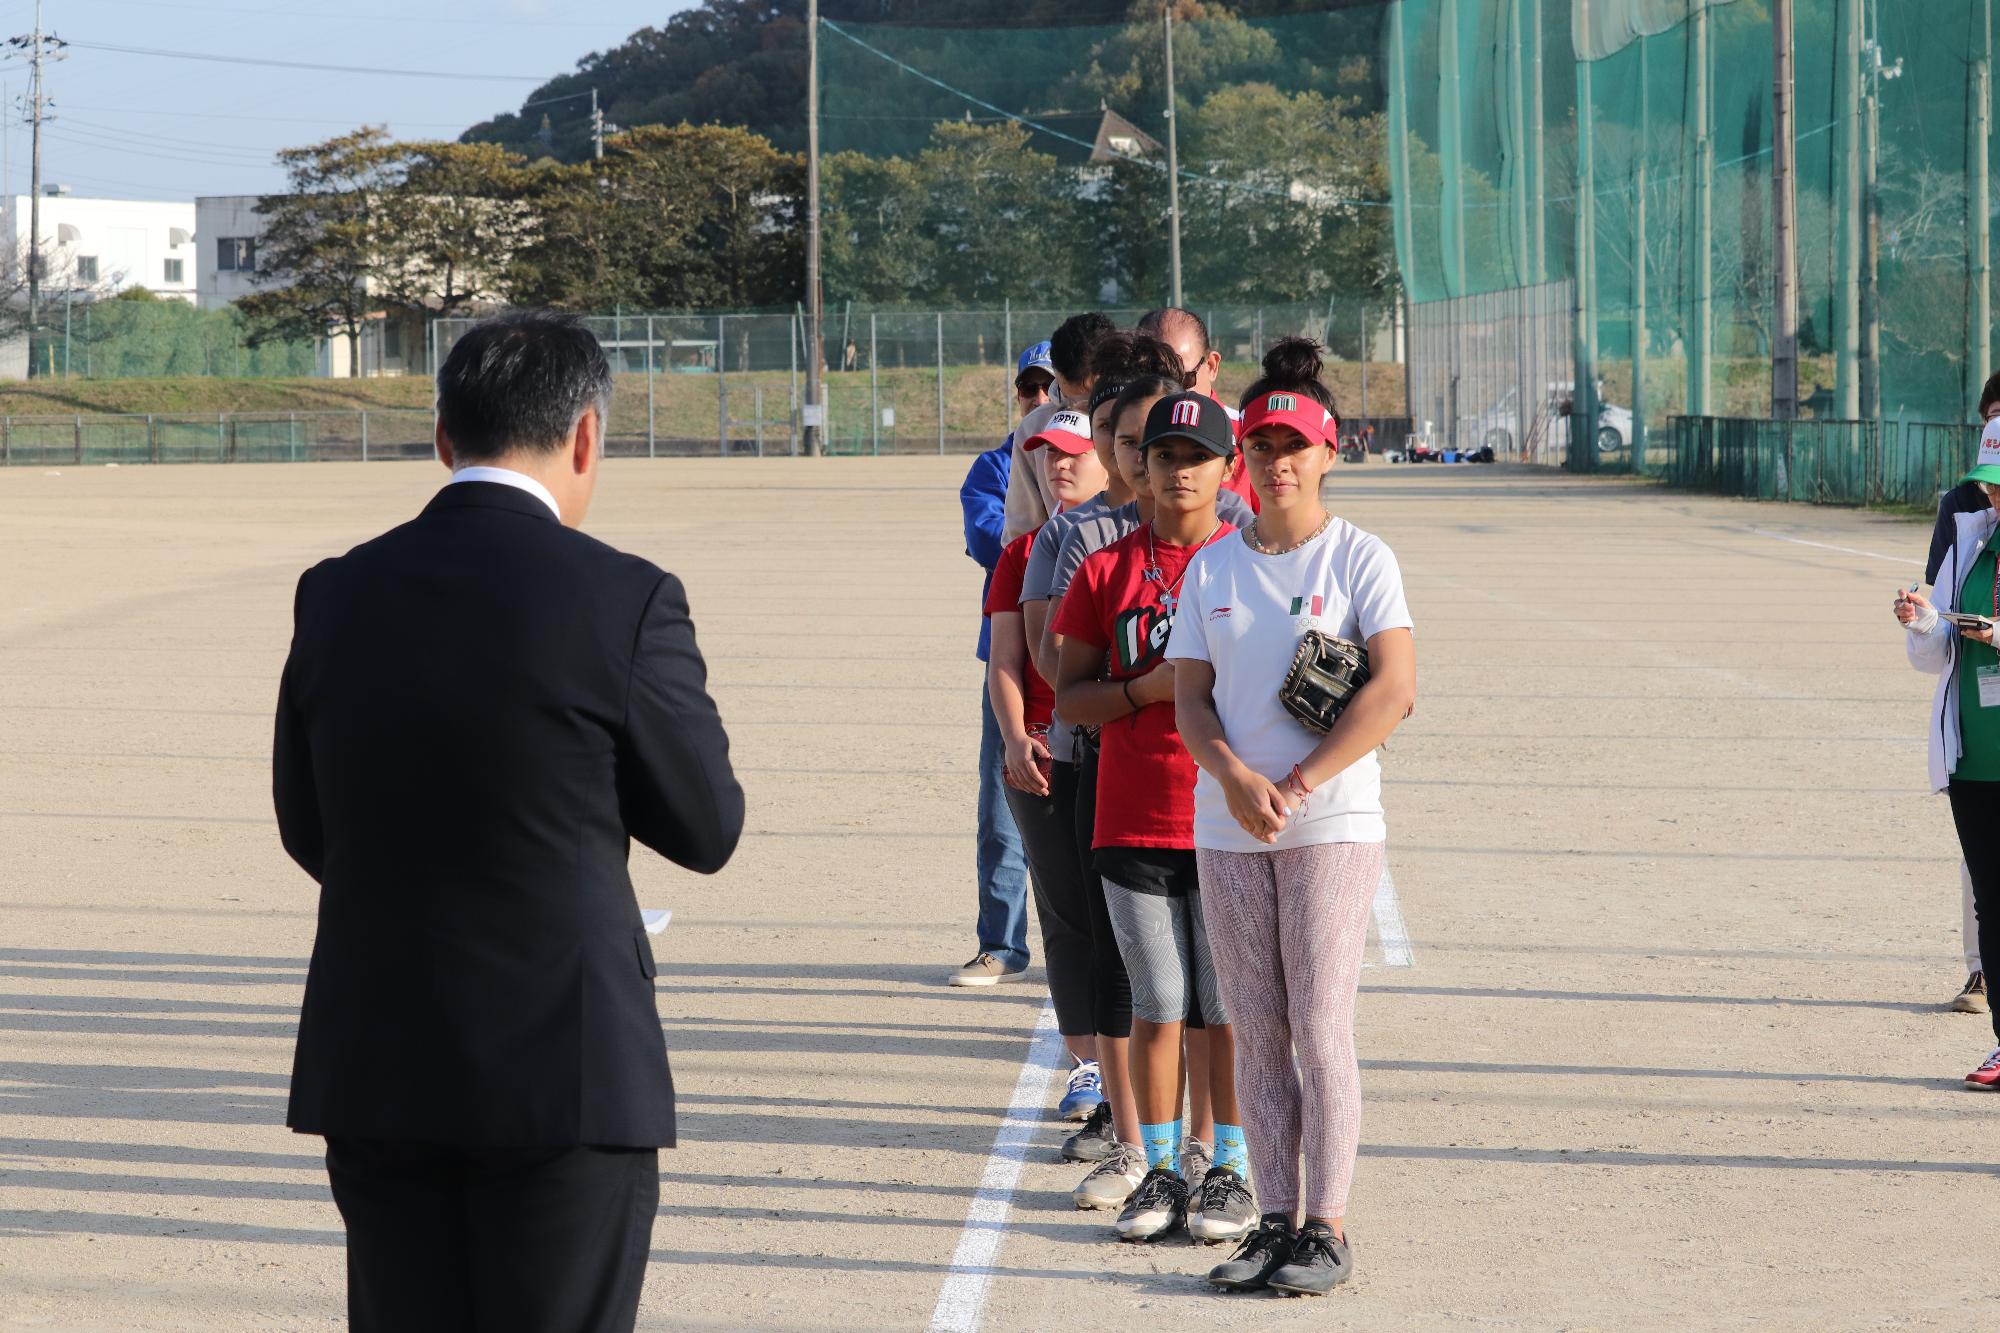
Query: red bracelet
[1295, 782]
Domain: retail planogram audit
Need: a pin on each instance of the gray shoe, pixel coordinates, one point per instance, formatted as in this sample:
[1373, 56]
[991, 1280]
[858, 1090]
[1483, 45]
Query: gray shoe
[1196, 1158]
[984, 970]
[1157, 1208]
[1095, 1141]
[1223, 1209]
[1971, 1000]
[1320, 1262]
[1262, 1253]
[1111, 1182]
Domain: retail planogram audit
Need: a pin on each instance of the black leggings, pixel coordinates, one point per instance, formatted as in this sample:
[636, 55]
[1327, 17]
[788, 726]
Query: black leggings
[1061, 899]
[1975, 808]
[1114, 987]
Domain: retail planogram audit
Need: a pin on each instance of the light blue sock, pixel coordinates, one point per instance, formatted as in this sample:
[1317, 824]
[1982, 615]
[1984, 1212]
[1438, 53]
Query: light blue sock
[1230, 1149]
[1163, 1143]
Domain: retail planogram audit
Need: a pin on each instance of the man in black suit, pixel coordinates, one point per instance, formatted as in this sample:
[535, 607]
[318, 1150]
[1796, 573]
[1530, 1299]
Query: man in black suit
[480, 709]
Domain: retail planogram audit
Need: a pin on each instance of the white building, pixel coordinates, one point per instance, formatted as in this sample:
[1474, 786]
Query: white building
[229, 227]
[102, 246]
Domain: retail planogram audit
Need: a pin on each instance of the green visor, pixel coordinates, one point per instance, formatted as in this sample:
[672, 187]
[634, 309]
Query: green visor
[1986, 472]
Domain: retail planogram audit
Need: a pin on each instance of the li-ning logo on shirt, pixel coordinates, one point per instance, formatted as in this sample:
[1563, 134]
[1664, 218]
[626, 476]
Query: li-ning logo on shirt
[1220, 613]
[1281, 402]
[1187, 412]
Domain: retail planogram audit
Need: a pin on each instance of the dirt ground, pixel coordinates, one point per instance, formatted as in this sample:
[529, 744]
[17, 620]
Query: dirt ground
[1672, 1052]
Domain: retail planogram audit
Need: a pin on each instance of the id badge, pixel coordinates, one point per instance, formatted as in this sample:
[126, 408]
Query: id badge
[1989, 686]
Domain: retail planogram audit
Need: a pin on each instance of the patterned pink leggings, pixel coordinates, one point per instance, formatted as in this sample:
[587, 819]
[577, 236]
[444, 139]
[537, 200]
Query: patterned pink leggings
[1287, 929]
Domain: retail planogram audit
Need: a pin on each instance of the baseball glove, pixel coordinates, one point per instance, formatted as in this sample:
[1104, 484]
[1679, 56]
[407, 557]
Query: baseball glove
[1325, 674]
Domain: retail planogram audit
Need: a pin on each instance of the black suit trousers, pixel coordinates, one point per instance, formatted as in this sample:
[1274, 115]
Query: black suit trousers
[444, 1239]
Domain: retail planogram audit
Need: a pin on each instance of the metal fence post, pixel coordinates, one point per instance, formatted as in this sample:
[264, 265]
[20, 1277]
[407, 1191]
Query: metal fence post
[79, 441]
[1364, 361]
[721, 385]
[292, 436]
[651, 447]
[940, 379]
[794, 335]
[152, 441]
[1007, 355]
[6, 440]
[874, 392]
[760, 421]
[364, 435]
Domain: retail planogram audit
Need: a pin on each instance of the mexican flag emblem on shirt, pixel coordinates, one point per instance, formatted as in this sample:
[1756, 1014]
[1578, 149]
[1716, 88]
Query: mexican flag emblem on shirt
[1300, 605]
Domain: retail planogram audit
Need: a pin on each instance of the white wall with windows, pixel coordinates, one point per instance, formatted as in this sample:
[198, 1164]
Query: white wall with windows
[226, 230]
[98, 247]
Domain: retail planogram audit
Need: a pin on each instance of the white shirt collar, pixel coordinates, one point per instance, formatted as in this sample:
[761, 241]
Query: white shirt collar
[520, 481]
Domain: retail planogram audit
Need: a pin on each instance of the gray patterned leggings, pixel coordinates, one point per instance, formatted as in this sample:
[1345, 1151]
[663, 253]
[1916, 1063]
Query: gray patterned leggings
[1287, 930]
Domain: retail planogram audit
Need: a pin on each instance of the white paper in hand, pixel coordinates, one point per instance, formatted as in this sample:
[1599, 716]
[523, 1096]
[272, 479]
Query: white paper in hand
[655, 918]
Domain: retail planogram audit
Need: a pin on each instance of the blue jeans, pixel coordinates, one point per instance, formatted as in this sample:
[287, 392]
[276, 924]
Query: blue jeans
[1003, 873]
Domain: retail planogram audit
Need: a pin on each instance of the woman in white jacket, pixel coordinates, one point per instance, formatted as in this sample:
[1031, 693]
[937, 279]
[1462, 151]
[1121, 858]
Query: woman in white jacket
[1965, 712]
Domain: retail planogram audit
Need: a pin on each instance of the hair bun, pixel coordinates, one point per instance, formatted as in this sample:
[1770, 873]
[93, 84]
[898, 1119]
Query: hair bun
[1293, 362]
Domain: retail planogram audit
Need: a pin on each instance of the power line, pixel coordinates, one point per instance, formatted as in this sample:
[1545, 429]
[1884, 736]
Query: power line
[238, 116]
[426, 74]
[347, 18]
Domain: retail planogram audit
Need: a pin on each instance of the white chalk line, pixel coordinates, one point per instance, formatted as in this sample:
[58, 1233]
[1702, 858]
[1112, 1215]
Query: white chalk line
[962, 1299]
[1389, 928]
[1828, 546]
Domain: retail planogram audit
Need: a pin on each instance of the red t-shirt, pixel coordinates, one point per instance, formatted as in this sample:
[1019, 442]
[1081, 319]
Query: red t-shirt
[1004, 594]
[1145, 776]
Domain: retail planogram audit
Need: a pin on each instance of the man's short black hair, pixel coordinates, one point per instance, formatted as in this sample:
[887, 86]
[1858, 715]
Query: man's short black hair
[1070, 346]
[1990, 394]
[520, 381]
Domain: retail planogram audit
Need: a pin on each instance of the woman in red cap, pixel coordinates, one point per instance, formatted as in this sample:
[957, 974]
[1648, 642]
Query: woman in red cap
[1288, 821]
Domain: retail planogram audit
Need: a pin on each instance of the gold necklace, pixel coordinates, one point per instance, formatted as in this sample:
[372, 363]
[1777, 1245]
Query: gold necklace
[1257, 542]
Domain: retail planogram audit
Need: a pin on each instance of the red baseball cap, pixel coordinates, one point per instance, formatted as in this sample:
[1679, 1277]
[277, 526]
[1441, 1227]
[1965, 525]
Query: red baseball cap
[1298, 411]
[1067, 430]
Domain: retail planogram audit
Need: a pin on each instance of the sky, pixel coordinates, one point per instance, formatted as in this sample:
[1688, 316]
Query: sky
[132, 126]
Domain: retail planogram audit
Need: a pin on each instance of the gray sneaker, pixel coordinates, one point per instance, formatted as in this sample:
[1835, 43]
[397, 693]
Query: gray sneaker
[1971, 1000]
[1223, 1209]
[1157, 1208]
[984, 970]
[1196, 1158]
[1096, 1141]
[1111, 1182]
[1320, 1262]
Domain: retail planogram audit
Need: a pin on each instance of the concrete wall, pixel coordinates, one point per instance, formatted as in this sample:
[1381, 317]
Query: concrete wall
[132, 241]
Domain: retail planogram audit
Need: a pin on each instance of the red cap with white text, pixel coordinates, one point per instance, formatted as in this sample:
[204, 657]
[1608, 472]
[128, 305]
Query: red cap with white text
[1302, 413]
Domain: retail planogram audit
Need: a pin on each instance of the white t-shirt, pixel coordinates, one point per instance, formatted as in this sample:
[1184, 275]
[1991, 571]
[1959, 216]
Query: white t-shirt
[1244, 613]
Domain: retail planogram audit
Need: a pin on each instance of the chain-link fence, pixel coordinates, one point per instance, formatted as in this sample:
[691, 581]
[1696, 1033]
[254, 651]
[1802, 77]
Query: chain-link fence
[900, 381]
[214, 437]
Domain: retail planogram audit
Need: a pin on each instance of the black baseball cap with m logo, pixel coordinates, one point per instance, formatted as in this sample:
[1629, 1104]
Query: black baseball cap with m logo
[1191, 416]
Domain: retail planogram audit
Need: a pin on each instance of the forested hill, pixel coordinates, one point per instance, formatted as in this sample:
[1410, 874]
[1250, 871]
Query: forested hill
[742, 62]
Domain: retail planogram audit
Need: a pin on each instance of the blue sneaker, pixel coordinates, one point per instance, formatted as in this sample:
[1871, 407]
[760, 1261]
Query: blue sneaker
[1086, 1092]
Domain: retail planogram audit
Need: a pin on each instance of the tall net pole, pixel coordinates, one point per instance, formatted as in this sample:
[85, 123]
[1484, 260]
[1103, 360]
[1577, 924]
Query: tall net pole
[1784, 220]
[1173, 167]
[815, 347]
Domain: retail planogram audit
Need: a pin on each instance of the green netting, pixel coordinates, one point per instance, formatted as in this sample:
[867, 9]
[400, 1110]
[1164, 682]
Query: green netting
[1649, 186]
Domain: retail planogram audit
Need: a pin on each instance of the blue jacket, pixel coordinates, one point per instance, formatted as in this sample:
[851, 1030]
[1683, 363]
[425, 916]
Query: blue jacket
[983, 497]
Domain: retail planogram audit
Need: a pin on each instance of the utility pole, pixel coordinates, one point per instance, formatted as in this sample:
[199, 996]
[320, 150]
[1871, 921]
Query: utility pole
[1979, 221]
[814, 408]
[1875, 72]
[1784, 221]
[596, 128]
[1173, 167]
[38, 47]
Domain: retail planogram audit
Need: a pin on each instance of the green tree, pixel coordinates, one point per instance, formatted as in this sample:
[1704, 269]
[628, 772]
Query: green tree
[449, 220]
[1283, 201]
[689, 217]
[1003, 217]
[322, 242]
[875, 229]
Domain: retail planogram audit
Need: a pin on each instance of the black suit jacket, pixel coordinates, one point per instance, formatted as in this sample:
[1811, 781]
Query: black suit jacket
[480, 709]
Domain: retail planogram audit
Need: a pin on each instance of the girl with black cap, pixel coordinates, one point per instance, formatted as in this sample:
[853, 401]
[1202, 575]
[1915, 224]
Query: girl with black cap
[1114, 620]
[1288, 821]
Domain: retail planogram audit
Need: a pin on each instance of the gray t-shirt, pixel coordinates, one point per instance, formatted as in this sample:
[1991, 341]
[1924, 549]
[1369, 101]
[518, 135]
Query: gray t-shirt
[1035, 587]
[1094, 533]
[1048, 545]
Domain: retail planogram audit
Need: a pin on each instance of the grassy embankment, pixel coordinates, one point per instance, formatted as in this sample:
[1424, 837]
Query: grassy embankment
[684, 406]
